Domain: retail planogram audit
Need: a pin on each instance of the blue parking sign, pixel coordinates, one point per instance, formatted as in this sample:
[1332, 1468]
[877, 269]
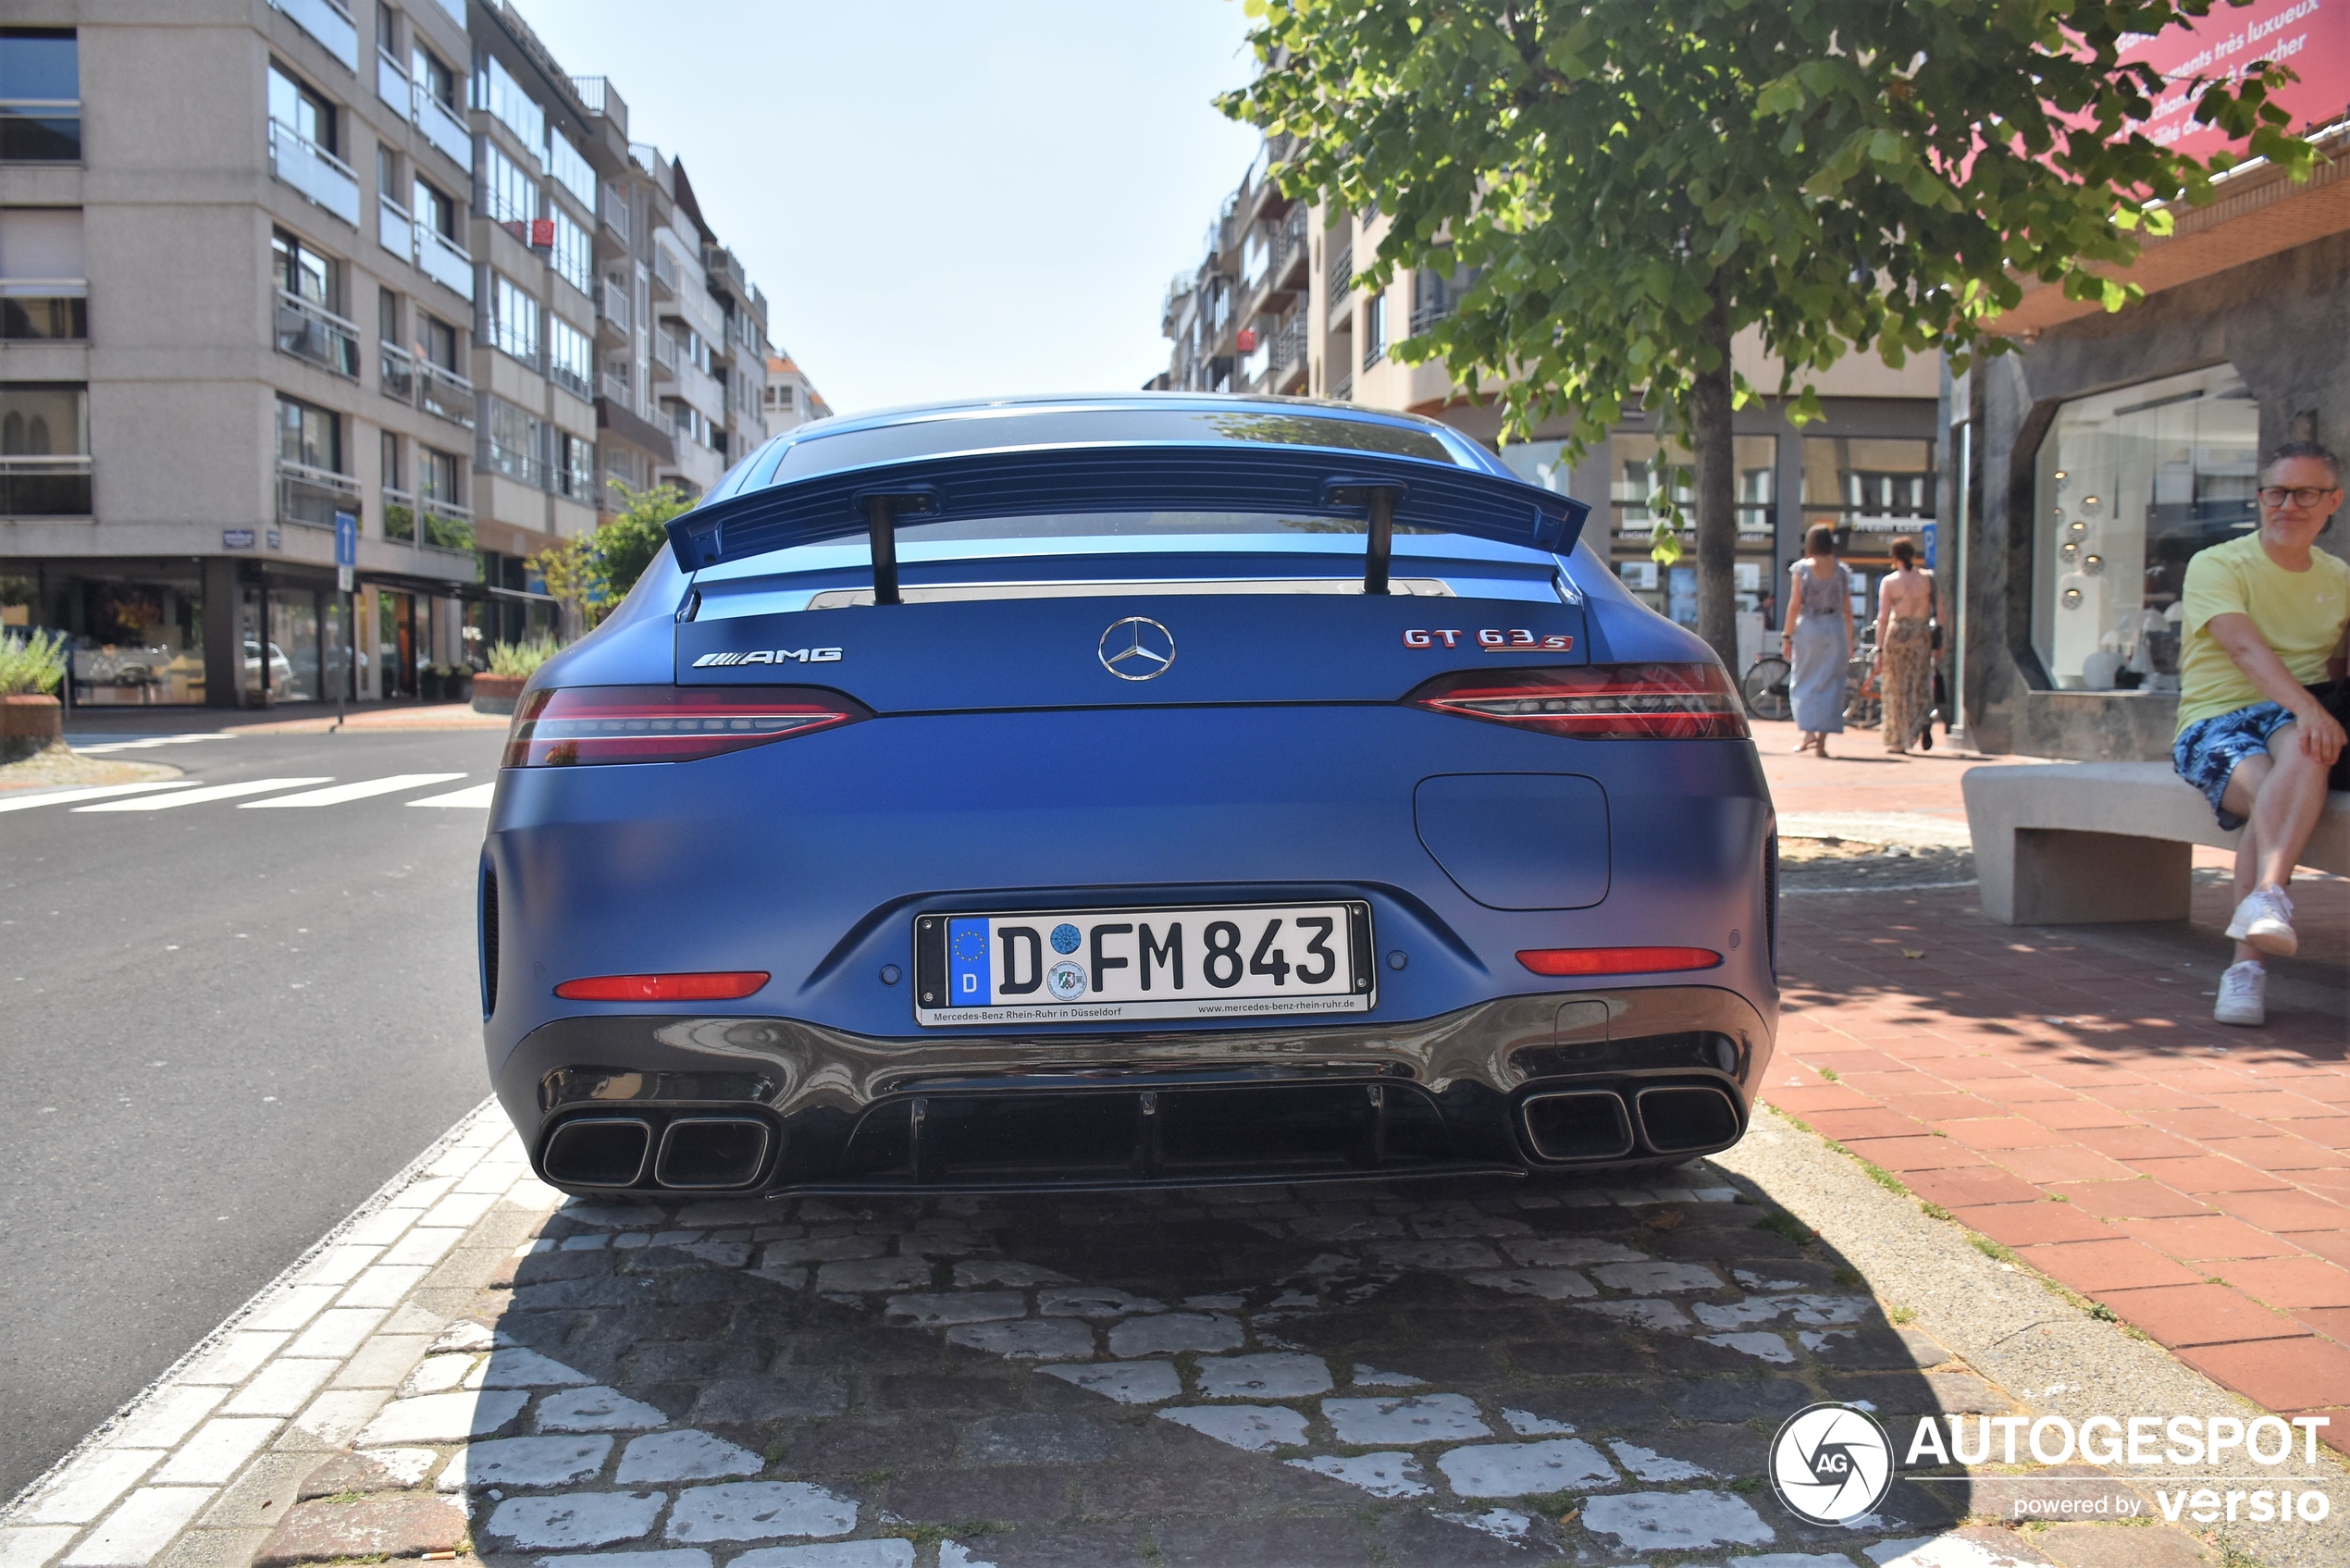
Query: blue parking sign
[346, 538]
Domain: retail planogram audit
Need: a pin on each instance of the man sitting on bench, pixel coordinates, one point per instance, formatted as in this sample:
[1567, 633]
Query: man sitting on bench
[2264, 621]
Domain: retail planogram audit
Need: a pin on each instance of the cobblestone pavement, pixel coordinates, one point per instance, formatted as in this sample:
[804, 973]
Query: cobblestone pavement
[1451, 1374]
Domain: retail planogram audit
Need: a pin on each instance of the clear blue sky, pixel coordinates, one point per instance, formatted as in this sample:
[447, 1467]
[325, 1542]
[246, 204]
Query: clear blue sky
[941, 199]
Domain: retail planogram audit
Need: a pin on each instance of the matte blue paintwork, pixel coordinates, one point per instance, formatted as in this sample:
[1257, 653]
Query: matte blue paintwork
[1517, 841]
[1007, 769]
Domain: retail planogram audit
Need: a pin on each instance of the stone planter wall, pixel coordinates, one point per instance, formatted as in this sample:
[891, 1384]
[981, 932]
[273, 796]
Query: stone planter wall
[28, 724]
[497, 694]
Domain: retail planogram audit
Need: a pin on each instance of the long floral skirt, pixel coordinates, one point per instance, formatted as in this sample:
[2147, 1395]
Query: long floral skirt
[1909, 680]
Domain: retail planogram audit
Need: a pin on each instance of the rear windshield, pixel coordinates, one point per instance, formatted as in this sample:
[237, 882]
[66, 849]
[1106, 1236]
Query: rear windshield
[1132, 524]
[1081, 427]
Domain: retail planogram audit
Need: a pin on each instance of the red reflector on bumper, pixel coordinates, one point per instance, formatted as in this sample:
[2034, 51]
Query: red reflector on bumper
[1616, 960]
[724, 987]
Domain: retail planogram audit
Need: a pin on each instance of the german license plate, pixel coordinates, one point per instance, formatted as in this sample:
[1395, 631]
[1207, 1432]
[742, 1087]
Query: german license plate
[1107, 966]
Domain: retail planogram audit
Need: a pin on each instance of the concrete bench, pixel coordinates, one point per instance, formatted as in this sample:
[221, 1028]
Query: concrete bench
[2078, 843]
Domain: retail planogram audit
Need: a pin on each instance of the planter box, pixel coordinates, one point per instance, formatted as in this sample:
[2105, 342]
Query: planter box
[497, 694]
[28, 724]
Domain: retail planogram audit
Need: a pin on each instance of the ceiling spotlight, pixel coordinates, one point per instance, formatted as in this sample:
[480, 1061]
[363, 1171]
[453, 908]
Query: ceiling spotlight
[2092, 564]
[2070, 599]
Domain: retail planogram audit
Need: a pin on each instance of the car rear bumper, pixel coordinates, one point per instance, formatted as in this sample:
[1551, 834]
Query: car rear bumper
[1552, 1081]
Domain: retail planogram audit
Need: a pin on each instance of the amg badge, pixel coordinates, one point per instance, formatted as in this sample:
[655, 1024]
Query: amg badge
[769, 656]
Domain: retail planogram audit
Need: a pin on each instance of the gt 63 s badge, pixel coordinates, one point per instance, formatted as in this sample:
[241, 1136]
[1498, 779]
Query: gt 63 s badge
[1509, 639]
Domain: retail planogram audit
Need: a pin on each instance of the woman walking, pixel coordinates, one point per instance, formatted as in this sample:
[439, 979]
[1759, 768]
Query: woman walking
[1905, 647]
[1818, 640]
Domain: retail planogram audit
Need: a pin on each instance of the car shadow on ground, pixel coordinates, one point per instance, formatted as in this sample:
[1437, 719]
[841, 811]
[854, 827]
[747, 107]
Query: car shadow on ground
[1450, 1372]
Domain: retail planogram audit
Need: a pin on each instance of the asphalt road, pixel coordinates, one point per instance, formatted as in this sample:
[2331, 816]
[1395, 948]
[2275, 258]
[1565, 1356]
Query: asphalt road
[222, 1028]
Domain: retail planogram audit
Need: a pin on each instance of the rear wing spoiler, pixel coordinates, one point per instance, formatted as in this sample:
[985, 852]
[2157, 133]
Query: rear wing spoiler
[1382, 490]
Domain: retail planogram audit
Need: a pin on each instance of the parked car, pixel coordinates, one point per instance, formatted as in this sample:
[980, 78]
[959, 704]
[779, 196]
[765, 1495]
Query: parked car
[1148, 789]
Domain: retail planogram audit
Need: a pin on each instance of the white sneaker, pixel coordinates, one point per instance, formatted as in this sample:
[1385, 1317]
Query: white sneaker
[2243, 994]
[2265, 920]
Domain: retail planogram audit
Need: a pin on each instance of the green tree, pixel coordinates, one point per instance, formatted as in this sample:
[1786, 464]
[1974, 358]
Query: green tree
[590, 574]
[1640, 180]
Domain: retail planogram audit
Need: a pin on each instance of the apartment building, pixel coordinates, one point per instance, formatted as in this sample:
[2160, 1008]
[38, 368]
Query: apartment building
[1271, 308]
[792, 398]
[236, 274]
[277, 272]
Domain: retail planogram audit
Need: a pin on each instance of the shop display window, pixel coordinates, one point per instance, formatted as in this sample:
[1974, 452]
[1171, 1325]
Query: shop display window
[1641, 466]
[134, 643]
[2129, 485]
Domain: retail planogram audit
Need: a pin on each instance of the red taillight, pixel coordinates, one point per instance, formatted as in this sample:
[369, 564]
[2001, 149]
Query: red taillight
[722, 987]
[1595, 701]
[574, 726]
[1616, 960]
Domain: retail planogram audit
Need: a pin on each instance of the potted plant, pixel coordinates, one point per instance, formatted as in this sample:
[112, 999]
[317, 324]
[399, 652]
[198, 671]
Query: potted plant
[431, 683]
[31, 668]
[498, 688]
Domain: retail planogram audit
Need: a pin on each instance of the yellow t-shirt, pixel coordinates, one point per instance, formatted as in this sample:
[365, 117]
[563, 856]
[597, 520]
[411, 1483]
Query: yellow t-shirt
[2300, 614]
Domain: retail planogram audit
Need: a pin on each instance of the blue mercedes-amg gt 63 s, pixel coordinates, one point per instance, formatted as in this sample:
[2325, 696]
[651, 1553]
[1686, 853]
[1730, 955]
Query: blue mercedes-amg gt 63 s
[1156, 789]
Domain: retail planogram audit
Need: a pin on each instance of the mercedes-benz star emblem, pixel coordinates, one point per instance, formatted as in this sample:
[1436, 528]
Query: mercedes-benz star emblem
[1137, 648]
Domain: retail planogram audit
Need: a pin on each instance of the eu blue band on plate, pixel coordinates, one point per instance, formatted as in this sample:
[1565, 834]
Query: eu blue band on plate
[966, 964]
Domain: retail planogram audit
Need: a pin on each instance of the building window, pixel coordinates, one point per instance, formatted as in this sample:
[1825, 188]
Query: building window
[433, 75]
[574, 253]
[1865, 486]
[1374, 330]
[2130, 484]
[571, 359]
[302, 271]
[577, 467]
[44, 292]
[301, 111]
[565, 164]
[514, 319]
[496, 90]
[513, 443]
[435, 209]
[40, 95]
[509, 194]
[309, 435]
[388, 32]
[437, 341]
[309, 321]
[44, 451]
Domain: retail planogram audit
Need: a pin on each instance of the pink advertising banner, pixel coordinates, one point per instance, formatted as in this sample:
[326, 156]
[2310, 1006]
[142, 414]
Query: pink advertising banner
[2311, 37]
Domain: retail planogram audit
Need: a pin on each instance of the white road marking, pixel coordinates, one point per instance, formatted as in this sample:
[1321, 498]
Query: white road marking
[144, 743]
[198, 796]
[335, 794]
[89, 792]
[477, 795]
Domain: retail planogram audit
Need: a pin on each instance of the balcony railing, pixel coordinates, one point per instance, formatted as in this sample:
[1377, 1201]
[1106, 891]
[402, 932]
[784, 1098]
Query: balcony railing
[44, 486]
[617, 388]
[314, 171]
[310, 497]
[664, 355]
[1344, 387]
[615, 300]
[570, 380]
[392, 85]
[311, 332]
[396, 374]
[511, 464]
[395, 230]
[442, 127]
[445, 394]
[1341, 270]
[445, 262]
[614, 210]
[664, 271]
[399, 516]
[447, 525]
[1289, 343]
[51, 309]
[40, 131]
[330, 24]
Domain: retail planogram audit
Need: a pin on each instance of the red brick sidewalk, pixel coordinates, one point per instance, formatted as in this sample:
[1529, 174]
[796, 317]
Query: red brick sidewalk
[2064, 1092]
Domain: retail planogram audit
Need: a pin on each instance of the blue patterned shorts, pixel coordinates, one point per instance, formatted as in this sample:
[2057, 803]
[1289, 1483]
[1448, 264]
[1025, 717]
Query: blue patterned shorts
[2208, 750]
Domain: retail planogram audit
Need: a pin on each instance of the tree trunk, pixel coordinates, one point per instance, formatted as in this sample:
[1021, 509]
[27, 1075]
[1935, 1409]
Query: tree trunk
[1717, 518]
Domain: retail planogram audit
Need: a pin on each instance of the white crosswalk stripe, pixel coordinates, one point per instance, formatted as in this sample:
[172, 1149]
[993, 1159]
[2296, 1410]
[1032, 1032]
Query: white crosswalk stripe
[479, 797]
[336, 794]
[144, 743]
[87, 792]
[198, 796]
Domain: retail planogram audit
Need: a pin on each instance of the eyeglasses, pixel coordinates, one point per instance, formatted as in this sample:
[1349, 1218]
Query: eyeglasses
[2307, 496]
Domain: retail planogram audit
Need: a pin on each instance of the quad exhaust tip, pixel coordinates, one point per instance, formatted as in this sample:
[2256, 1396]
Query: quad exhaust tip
[1597, 1124]
[695, 1153]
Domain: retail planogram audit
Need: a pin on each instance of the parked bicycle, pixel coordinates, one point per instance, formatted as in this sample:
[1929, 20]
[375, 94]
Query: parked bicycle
[1764, 687]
